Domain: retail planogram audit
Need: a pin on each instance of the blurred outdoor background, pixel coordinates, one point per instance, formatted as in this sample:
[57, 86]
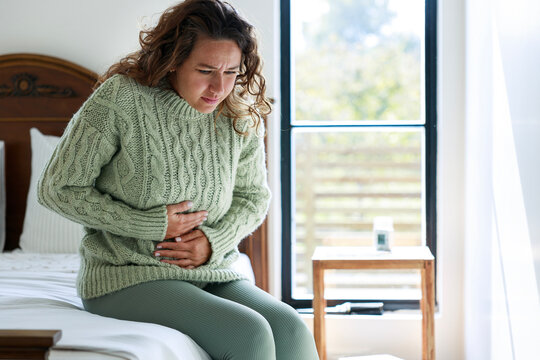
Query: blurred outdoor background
[357, 63]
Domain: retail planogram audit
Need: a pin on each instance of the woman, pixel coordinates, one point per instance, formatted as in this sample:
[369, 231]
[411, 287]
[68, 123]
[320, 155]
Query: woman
[164, 166]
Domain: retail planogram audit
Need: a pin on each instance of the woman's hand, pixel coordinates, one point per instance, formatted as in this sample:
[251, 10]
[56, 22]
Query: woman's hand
[189, 251]
[178, 223]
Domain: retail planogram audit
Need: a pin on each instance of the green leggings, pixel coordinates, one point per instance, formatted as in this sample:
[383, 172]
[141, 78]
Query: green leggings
[233, 320]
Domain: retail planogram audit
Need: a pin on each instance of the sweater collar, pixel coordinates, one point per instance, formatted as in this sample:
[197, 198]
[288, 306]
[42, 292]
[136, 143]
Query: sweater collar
[177, 105]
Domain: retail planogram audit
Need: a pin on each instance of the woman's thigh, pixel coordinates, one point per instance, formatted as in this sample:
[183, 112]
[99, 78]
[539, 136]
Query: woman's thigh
[223, 328]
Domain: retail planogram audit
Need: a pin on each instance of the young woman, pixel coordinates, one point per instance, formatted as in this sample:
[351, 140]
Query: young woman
[164, 166]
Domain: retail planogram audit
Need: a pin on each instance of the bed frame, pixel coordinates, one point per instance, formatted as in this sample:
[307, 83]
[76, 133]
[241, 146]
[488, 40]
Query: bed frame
[44, 92]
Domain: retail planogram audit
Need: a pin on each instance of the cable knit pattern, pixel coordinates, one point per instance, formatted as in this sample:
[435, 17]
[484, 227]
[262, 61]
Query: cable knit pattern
[130, 151]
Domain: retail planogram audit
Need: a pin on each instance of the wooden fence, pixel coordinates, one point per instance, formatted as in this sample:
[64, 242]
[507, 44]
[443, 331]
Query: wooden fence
[342, 181]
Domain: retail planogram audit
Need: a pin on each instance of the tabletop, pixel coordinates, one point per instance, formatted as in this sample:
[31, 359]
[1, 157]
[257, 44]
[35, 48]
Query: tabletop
[370, 253]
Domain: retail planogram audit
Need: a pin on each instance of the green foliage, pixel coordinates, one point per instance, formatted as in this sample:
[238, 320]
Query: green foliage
[350, 20]
[350, 70]
[350, 65]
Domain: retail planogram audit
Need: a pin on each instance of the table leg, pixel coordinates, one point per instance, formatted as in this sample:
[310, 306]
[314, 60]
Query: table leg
[427, 305]
[319, 305]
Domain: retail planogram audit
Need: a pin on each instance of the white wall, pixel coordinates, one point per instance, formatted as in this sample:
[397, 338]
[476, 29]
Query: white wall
[93, 34]
[96, 33]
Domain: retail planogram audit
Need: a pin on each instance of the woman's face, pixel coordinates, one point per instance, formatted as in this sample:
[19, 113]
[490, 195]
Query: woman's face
[208, 75]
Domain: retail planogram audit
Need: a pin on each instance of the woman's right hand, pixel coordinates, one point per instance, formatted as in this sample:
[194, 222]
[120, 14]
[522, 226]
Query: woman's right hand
[178, 223]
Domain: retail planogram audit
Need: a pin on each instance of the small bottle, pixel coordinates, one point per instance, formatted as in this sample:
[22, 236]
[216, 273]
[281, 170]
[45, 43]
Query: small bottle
[383, 232]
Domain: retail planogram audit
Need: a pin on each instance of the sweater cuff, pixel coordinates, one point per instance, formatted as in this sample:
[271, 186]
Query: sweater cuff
[220, 242]
[149, 224]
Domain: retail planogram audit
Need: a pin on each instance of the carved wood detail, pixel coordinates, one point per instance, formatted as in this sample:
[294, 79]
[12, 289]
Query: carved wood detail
[25, 84]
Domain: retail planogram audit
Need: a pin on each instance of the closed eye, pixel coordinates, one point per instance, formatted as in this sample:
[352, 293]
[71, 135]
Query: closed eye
[228, 72]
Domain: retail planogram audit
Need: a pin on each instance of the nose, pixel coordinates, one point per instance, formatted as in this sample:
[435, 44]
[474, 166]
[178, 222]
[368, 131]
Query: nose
[217, 84]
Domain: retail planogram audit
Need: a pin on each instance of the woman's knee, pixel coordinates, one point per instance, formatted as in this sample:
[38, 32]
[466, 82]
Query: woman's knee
[297, 329]
[251, 337]
[290, 321]
[256, 327]
[293, 336]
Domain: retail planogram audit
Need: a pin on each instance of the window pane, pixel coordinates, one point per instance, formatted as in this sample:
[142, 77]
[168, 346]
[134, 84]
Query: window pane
[358, 60]
[342, 180]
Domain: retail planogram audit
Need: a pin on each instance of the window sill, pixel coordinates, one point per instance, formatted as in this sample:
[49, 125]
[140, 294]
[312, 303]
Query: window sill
[407, 315]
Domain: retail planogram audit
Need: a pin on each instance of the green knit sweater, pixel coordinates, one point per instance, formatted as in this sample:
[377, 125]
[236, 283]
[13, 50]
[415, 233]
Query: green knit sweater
[130, 151]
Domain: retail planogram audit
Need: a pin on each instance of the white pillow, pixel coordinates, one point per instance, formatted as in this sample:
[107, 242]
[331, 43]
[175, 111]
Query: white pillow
[44, 231]
[243, 266]
[2, 199]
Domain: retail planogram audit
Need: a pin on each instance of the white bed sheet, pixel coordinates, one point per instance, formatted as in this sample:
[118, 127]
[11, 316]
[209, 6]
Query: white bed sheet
[37, 291]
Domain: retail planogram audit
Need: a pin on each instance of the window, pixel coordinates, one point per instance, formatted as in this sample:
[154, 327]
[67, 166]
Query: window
[358, 139]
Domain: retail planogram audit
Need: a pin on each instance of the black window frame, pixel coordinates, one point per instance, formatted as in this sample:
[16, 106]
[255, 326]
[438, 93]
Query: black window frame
[430, 127]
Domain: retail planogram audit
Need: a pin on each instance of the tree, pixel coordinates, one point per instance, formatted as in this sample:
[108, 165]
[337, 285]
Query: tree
[351, 69]
[351, 21]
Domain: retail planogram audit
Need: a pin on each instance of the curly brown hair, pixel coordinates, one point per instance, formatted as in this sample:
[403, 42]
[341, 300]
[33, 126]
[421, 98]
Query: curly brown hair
[170, 42]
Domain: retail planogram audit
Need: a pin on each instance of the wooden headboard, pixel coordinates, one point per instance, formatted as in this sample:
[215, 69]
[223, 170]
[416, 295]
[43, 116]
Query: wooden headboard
[44, 92]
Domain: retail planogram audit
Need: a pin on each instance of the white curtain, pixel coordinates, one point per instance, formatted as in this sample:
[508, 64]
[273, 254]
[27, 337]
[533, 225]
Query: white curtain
[502, 281]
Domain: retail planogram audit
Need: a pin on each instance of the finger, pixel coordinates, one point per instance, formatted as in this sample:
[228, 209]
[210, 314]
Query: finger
[175, 254]
[176, 244]
[164, 245]
[192, 217]
[192, 235]
[171, 245]
[181, 263]
[190, 226]
[185, 225]
[180, 207]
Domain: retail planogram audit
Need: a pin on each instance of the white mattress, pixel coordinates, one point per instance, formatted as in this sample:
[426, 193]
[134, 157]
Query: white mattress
[37, 291]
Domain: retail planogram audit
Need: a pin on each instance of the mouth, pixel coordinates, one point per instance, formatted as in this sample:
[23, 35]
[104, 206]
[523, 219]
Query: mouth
[210, 100]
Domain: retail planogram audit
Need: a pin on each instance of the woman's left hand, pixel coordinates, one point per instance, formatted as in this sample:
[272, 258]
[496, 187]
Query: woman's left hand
[190, 251]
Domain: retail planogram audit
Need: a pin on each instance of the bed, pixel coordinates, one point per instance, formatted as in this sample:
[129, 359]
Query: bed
[40, 314]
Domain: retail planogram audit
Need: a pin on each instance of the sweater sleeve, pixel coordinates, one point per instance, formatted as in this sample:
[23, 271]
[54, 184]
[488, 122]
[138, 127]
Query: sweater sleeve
[251, 198]
[66, 186]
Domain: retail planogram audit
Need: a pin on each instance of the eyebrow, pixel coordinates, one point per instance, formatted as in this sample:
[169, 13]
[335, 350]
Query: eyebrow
[213, 67]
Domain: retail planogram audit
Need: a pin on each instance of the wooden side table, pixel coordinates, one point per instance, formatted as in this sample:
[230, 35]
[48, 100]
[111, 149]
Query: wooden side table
[368, 258]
